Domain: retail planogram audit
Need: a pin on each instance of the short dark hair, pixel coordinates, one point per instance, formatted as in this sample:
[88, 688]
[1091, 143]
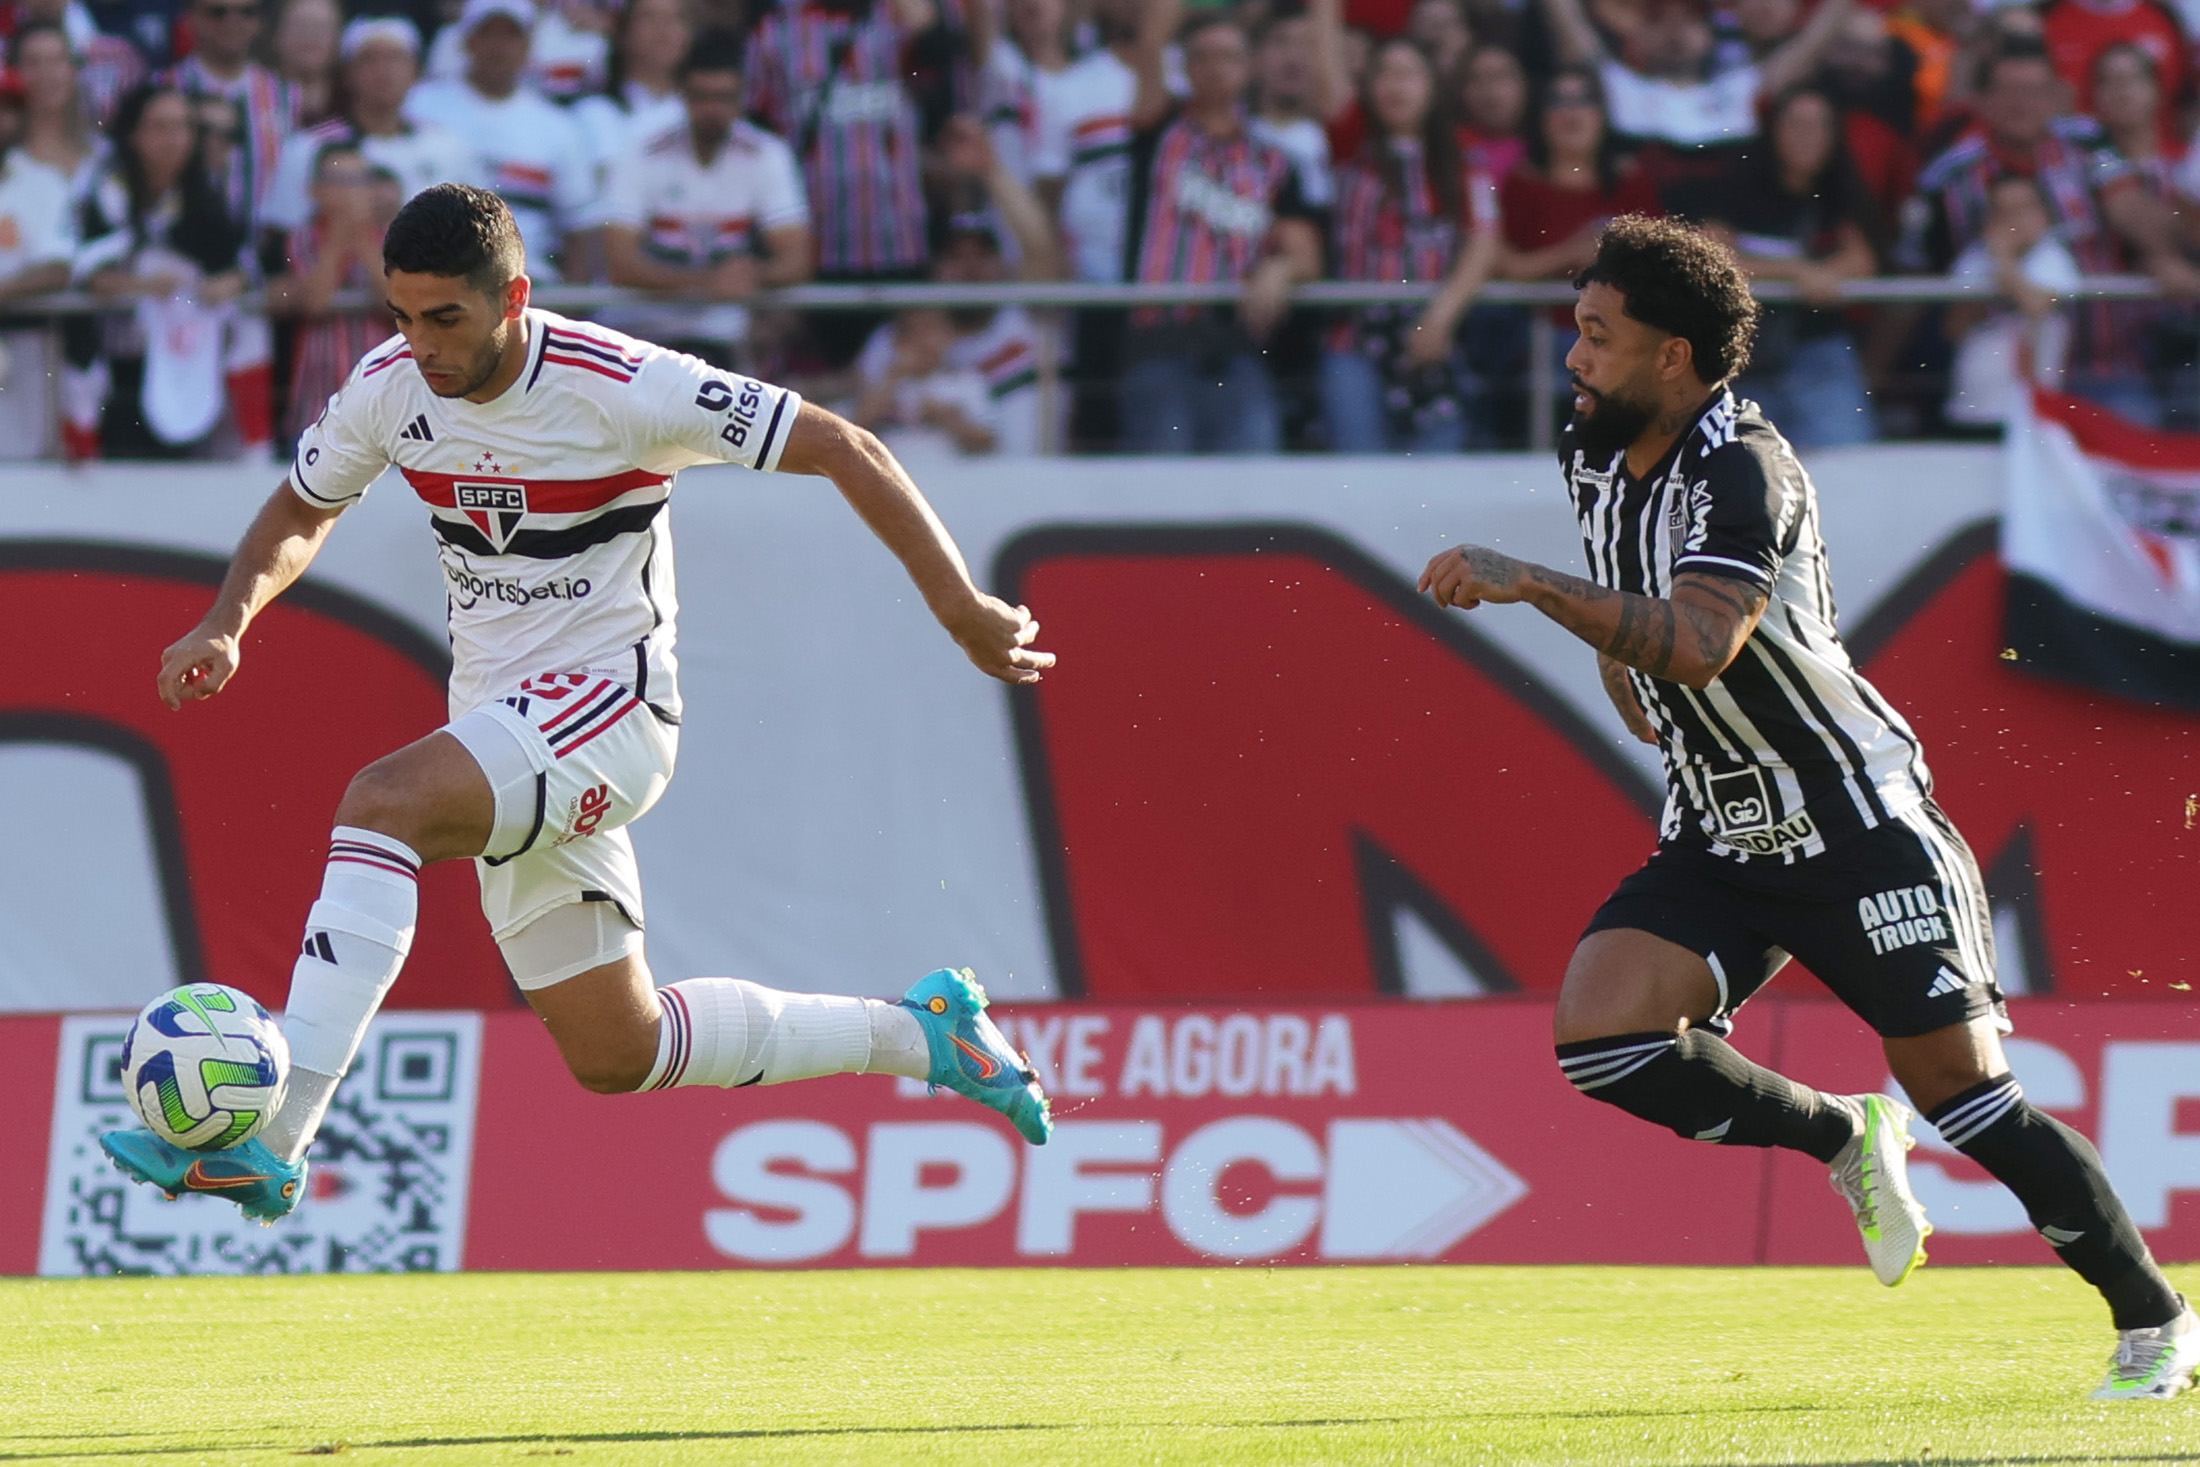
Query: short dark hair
[455, 229]
[2008, 49]
[717, 49]
[1683, 282]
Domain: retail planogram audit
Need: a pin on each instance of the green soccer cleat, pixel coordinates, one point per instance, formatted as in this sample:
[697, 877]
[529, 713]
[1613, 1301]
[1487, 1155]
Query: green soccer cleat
[2154, 1364]
[250, 1175]
[1872, 1173]
[970, 1055]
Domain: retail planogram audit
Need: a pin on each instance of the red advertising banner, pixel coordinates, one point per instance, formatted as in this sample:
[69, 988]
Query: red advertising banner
[1406, 1132]
[1391, 1131]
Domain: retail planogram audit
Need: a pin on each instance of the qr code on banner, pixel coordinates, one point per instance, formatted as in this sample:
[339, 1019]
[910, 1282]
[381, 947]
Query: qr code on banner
[386, 1191]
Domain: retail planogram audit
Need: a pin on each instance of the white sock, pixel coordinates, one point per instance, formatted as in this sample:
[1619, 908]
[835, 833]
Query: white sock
[357, 936]
[729, 1032]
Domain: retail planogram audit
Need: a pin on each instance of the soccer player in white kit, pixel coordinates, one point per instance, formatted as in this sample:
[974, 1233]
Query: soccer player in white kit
[545, 450]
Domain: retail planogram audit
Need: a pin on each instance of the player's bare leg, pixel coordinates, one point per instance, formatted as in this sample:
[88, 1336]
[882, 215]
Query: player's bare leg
[1627, 1033]
[1960, 1079]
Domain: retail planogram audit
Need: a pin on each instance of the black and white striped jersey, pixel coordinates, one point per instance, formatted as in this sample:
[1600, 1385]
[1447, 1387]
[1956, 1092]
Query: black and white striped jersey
[1790, 749]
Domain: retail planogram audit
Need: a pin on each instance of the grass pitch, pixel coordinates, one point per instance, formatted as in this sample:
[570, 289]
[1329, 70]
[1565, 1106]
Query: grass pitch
[1237, 1365]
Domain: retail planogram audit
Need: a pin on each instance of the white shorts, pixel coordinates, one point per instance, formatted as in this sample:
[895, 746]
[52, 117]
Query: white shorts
[572, 757]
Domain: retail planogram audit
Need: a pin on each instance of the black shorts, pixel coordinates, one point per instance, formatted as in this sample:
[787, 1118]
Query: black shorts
[1894, 921]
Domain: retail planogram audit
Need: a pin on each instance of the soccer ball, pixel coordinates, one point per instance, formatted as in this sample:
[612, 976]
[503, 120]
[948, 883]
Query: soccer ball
[205, 1066]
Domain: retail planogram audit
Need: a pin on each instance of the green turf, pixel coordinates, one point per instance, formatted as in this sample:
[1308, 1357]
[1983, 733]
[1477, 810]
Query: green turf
[1243, 1365]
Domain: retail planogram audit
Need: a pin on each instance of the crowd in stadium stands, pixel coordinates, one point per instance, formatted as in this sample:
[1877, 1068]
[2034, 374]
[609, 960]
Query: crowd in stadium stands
[219, 172]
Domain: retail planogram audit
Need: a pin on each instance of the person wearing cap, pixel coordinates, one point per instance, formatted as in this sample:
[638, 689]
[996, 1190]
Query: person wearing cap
[380, 61]
[709, 209]
[532, 153]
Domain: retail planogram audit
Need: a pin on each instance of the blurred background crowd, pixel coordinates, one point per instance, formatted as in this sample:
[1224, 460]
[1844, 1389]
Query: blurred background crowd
[216, 175]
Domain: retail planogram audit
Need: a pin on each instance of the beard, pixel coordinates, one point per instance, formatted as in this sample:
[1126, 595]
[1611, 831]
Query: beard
[483, 366]
[1611, 424]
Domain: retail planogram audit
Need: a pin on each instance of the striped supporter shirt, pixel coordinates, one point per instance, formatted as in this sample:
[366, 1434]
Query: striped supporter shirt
[855, 125]
[327, 347]
[270, 109]
[1202, 208]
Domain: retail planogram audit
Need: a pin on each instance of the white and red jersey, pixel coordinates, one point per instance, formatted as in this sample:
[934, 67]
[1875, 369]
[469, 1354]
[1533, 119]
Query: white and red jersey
[549, 503]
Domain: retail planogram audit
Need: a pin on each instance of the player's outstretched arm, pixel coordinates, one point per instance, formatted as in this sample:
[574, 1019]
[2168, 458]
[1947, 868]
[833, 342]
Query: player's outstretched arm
[996, 636]
[1689, 637]
[275, 551]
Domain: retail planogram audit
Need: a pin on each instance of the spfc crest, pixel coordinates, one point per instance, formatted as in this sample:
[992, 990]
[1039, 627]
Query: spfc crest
[495, 509]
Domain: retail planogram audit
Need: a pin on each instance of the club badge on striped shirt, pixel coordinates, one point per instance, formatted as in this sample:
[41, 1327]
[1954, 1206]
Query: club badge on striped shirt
[495, 509]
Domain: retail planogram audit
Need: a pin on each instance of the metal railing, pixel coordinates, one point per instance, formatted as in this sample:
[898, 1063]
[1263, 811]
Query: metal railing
[1072, 295]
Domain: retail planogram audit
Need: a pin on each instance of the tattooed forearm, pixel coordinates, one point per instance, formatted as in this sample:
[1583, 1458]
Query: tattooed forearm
[1646, 635]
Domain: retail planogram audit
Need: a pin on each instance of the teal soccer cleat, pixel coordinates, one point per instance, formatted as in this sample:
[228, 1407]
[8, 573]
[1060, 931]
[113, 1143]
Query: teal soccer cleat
[251, 1176]
[970, 1055]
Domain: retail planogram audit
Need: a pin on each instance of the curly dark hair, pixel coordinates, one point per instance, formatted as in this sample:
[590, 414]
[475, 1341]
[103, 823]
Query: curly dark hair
[1683, 282]
[454, 229]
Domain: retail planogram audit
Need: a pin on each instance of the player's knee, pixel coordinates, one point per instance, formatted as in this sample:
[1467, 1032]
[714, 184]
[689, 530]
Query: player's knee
[611, 1073]
[381, 798]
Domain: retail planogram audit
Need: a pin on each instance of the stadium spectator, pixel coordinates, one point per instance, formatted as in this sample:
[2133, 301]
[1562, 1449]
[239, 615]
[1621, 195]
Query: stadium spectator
[380, 60]
[108, 65]
[307, 33]
[1493, 110]
[158, 238]
[1210, 204]
[985, 209]
[1287, 96]
[919, 394]
[827, 75]
[2018, 253]
[1442, 31]
[57, 134]
[1408, 208]
[641, 91]
[1871, 78]
[710, 209]
[1938, 34]
[340, 248]
[2078, 31]
[568, 49]
[1665, 89]
[1031, 58]
[1551, 207]
[1081, 171]
[220, 69]
[37, 240]
[1571, 184]
[2100, 210]
[2127, 102]
[1081, 152]
[1794, 209]
[531, 153]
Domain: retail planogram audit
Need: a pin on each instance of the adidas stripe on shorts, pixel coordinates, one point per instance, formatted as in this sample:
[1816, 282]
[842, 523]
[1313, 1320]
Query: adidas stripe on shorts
[573, 757]
[1894, 920]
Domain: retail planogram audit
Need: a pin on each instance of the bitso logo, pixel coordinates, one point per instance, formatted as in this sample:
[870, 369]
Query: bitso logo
[495, 509]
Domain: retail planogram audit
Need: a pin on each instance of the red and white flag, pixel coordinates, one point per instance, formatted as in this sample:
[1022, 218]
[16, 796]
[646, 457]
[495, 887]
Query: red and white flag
[2101, 536]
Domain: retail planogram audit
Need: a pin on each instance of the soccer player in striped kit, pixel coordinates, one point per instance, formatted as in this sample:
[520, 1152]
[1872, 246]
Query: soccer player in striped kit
[545, 450]
[1799, 816]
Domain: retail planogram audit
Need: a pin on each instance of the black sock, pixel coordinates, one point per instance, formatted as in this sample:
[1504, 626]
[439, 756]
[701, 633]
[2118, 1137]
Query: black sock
[1704, 1090]
[2057, 1175]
